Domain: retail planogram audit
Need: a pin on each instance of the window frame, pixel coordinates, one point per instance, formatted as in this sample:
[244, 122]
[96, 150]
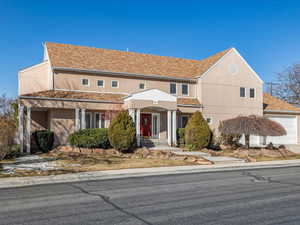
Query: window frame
[143, 84]
[245, 92]
[81, 82]
[100, 116]
[102, 85]
[254, 93]
[111, 83]
[188, 89]
[91, 120]
[175, 88]
[181, 120]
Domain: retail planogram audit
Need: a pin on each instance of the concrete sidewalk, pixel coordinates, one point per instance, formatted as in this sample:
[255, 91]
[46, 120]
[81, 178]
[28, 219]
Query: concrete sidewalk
[140, 172]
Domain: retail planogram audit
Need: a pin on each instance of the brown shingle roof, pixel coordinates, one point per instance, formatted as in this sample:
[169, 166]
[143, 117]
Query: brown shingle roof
[275, 104]
[117, 98]
[89, 58]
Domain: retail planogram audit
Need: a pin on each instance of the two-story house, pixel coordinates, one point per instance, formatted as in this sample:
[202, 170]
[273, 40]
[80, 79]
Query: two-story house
[79, 87]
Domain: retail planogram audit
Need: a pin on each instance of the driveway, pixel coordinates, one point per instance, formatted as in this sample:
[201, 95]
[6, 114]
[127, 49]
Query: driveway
[266, 196]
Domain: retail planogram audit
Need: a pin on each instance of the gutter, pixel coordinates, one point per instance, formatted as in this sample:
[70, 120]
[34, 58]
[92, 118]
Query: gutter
[195, 106]
[68, 99]
[281, 111]
[124, 74]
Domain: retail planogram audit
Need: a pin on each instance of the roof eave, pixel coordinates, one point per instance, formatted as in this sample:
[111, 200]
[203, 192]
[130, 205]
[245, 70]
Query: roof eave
[282, 111]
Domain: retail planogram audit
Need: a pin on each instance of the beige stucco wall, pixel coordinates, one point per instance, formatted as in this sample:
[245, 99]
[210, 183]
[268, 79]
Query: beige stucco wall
[220, 91]
[35, 78]
[71, 81]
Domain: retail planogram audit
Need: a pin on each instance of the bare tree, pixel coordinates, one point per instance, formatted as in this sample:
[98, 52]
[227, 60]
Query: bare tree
[288, 87]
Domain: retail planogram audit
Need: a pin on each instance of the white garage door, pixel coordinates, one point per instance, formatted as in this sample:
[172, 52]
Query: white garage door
[290, 125]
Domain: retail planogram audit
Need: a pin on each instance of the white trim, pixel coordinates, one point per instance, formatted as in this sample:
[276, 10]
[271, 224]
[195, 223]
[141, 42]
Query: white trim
[175, 88]
[214, 65]
[107, 92]
[51, 71]
[86, 85]
[114, 81]
[151, 95]
[188, 89]
[103, 84]
[245, 92]
[248, 65]
[100, 116]
[158, 124]
[254, 93]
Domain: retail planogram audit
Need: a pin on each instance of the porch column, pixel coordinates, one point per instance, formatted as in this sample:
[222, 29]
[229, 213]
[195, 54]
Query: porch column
[132, 114]
[28, 129]
[77, 119]
[169, 121]
[138, 128]
[174, 127]
[83, 125]
[21, 127]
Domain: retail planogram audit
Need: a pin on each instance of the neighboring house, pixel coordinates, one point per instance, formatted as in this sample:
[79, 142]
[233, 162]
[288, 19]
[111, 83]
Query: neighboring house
[79, 87]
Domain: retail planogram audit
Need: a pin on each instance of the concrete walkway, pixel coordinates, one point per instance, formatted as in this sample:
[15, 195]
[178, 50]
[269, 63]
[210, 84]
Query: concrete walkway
[140, 172]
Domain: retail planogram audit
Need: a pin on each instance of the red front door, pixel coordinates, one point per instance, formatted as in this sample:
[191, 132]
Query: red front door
[146, 124]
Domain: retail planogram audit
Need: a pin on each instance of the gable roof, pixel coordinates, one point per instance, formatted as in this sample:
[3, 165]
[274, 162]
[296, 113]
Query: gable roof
[271, 103]
[90, 58]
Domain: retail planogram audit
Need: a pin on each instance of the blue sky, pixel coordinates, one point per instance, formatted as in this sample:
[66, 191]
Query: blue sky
[266, 33]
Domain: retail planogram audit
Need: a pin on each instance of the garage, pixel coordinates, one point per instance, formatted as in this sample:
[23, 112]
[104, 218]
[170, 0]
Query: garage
[290, 125]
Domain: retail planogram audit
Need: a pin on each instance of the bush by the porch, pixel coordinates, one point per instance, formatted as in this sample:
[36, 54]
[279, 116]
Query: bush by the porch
[121, 132]
[197, 132]
[180, 136]
[44, 140]
[90, 138]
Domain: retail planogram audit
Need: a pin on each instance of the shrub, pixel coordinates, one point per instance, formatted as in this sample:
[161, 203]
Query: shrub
[90, 138]
[230, 139]
[197, 132]
[7, 135]
[44, 140]
[13, 152]
[180, 136]
[121, 132]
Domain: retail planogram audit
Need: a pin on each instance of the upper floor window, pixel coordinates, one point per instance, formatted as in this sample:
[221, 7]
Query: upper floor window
[252, 93]
[172, 88]
[114, 83]
[185, 89]
[142, 85]
[85, 82]
[242, 92]
[100, 83]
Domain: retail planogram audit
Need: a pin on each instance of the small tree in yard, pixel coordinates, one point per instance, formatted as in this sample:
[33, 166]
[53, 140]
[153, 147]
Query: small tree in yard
[197, 132]
[121, 132]
[251, 125]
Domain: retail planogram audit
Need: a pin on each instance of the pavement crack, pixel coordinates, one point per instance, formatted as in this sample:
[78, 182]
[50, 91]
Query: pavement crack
[108, 201]
[256, 178]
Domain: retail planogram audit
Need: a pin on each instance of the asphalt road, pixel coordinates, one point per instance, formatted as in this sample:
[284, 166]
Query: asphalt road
[268, 196]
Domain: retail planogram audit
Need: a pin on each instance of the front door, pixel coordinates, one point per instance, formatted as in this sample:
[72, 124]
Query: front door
[146, 124]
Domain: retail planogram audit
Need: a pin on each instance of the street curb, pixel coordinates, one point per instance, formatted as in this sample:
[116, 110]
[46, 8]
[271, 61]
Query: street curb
[140, 172]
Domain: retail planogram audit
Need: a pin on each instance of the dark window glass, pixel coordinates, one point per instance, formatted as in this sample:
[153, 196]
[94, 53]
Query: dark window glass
[184, 121]
[252, 93]
[114, 83]
[100, 83]
[142, 86]
[173, 88]
[242, 92]
[185, 89]
[85, 82]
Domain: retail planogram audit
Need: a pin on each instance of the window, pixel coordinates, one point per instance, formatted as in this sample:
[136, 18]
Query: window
[252, 93]
[185, 89]
[172, 88]
[142, 86]
[184, 120]
[242, 92]
[85, 82]
[88, 120]
[114, 83]
[100, 83]
[99, 120]
[209, 120]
